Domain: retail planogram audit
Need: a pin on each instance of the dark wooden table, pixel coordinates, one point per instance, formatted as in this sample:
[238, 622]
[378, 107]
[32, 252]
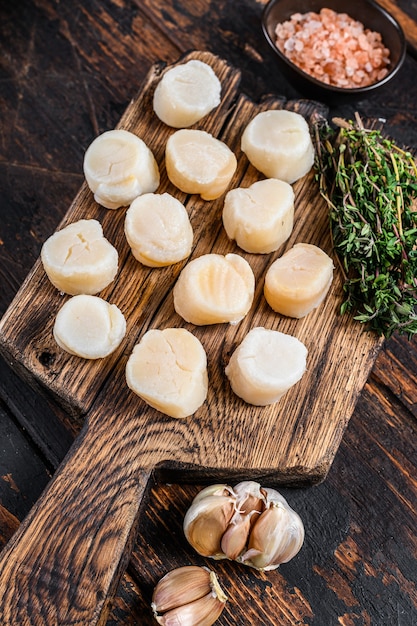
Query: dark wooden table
[68, 71]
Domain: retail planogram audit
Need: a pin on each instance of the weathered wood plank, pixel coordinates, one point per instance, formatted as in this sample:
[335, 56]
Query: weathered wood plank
[93, 501]
[405, 19]
[300, 435]
[396, 367]
[8, 525]
[355, 565]
[370, 577]
[129, 605]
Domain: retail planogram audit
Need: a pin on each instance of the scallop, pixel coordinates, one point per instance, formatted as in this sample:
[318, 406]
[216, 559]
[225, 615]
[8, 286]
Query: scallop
[89, 327]
[298, 281]
[186, 93]
[78, 259]
[259, 218]
[265, 365]
[214, 289]
[278, 144]
[119, 167]
[197, 162]
[158, 230]
[168, 370]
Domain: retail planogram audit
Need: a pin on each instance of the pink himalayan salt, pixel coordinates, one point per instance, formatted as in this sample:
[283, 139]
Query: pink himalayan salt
[333, 48]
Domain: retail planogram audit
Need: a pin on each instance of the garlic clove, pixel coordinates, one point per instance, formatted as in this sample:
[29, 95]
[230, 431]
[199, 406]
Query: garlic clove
[206, 521]
[213, 490]
[249, 496]
[276, 537]
[235, 537]
[202, 612]
[190, 596]
[250, 501]
[180, 586]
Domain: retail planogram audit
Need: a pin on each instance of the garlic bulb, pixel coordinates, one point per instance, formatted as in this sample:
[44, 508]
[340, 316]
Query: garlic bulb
[188, 595]
[248, 523]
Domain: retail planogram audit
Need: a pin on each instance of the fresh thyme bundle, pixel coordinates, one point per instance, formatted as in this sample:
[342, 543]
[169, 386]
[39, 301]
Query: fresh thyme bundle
[370, 185]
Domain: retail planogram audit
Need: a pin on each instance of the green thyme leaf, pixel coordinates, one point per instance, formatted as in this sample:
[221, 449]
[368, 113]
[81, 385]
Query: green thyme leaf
[370, 186]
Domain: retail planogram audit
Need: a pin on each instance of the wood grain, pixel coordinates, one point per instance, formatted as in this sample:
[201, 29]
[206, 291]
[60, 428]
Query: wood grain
[406, 22]
[294, 440]
[357, 566]
[94, 500]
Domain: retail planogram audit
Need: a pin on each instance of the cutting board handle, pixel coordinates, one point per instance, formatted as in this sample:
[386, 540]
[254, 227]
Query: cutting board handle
[64, 563]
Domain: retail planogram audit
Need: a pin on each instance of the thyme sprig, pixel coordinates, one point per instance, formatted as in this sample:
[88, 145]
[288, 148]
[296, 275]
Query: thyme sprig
[370, 186]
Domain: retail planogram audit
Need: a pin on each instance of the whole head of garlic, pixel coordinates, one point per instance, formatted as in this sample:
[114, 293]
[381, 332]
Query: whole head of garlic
[248, 523]
[188, 595]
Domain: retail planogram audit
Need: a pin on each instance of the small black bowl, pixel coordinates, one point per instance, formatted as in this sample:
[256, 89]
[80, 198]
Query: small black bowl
[368, 12]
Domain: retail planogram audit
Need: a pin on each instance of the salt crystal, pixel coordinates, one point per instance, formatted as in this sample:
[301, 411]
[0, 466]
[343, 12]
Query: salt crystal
[330, 36]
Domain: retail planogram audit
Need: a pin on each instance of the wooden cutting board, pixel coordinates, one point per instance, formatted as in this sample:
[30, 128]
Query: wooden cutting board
[91, 506]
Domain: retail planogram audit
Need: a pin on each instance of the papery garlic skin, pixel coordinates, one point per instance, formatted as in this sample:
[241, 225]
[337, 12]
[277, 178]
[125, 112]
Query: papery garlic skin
[119, 167]
[214, 289]
[89, 327]
[186, 93]
[208, 518]
[278, 144]
[276, 537]
[218, 489]
[256, 526]
[78, 259]
[259, 218]
[180, 586]
[250, 496]
[158, 230]
[188, 596]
